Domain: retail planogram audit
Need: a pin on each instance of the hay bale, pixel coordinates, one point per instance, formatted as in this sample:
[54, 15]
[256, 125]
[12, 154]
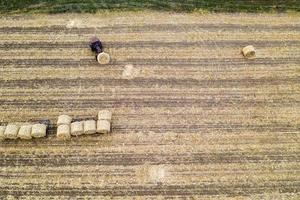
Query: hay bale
[249, 52]
[38, 130]
[25, 132]
[64, 119]
[77, 128]
[89, 127]
[2, 130]
[104, 115]
[103, 58]
[103, 126]
[63, 132]
[11, 131]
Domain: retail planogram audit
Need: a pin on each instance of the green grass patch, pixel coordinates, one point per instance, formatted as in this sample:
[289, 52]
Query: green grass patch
[92, 6]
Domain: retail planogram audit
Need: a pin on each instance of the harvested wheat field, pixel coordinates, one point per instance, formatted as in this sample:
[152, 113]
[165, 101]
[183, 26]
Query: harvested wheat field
[192, 118]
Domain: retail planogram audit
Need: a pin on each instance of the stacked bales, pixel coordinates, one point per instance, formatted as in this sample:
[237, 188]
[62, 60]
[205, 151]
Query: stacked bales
[64, 127]
[63, 120]
[67, 128]
[104, 121]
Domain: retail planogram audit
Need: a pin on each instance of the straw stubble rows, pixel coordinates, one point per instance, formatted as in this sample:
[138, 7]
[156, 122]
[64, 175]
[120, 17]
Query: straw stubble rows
[197, 120]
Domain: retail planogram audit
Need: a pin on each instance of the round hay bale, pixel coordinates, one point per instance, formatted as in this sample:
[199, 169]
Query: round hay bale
[38, 130]
[104, 115]
[89, 127]
[103, 126]
[25, 132]
[63, 132]
[103, 58]
[249, 52]
[11, 131]
[2, 130]
[64, 119]
[77, 128]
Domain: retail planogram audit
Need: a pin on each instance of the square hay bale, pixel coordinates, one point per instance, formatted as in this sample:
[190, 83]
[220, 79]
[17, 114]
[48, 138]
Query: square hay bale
[89, 127]
[2, 130]
[77, 128]
[38, 130]
[64, 119]
[25, 132]
[104, 115]
[11, 131]
[103, 126]
[63, 132]
[249, 52]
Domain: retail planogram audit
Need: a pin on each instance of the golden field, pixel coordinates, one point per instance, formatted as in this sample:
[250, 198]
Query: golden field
[195, 121]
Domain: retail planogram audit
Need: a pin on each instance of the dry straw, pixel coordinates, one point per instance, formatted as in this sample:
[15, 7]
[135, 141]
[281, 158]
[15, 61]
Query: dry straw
[130, 72]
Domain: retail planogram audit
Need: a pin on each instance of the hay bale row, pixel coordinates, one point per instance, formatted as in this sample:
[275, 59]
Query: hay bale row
[104, 121]
[24, 131]
[66, 128]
